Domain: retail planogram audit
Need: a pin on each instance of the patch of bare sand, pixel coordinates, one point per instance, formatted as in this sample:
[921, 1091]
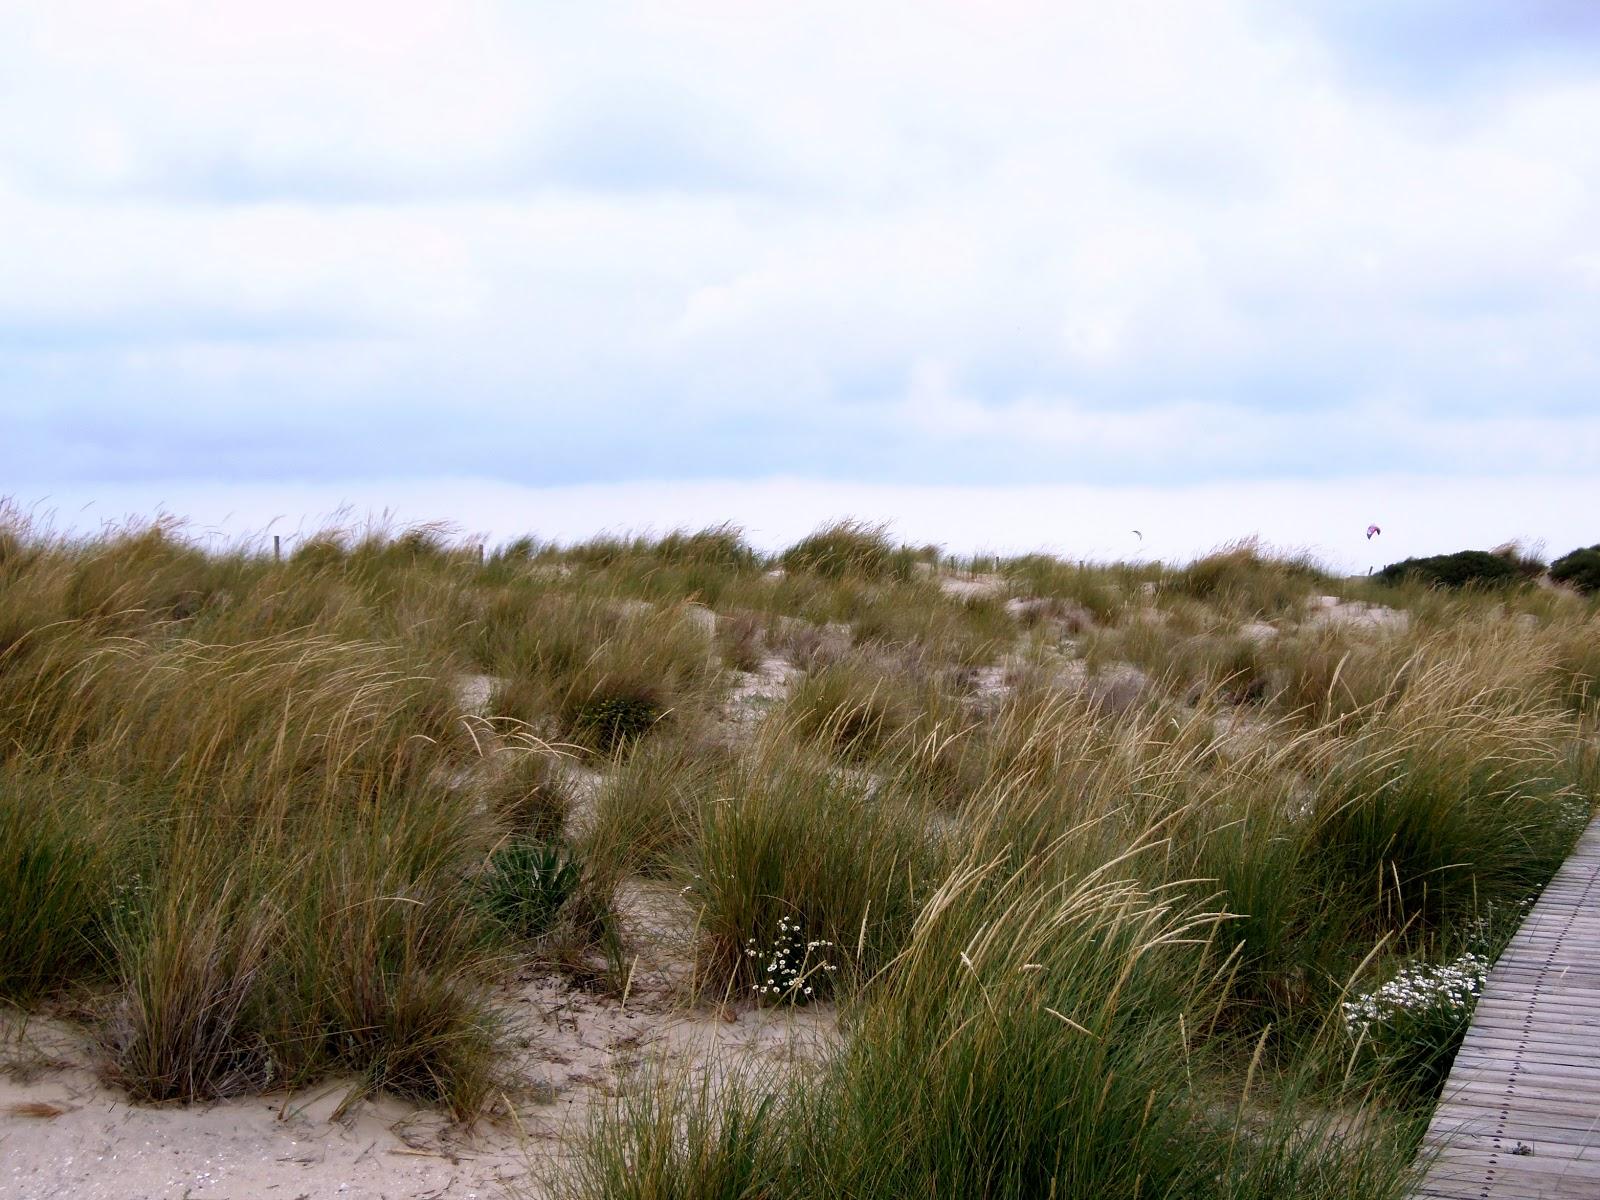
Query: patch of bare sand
[1357, 614]
[583, 788]
[474, 691]
[100, 1147]
[755, 693]
[972, 587]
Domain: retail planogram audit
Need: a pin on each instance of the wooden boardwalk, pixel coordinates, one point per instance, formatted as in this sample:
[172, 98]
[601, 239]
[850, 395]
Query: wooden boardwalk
[1520, 1113]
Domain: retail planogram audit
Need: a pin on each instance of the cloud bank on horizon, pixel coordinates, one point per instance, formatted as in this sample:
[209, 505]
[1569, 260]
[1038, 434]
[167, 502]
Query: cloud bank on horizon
[1144, 245]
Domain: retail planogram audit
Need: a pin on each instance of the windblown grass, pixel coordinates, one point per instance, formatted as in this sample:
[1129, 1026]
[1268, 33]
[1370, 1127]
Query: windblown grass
[1096, 853]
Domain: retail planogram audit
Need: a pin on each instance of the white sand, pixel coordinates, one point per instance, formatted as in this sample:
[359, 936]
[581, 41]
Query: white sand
[100, 1147]
[572, 1048]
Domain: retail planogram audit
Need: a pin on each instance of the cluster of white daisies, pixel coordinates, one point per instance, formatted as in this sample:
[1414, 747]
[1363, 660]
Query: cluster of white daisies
[792, 964]
[1444, 988]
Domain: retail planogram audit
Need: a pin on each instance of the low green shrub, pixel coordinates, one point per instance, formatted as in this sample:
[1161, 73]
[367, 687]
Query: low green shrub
[1578, 568]
[1464, 568]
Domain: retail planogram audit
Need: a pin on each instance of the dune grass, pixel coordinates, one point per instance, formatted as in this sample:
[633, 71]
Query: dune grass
[1089, 858]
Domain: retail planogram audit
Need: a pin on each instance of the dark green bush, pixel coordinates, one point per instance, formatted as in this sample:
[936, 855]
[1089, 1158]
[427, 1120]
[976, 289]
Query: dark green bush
[1464, 568]
[1580, 568]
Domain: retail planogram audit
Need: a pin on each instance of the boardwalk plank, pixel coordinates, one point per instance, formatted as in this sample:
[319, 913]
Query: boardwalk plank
[1523, 1125]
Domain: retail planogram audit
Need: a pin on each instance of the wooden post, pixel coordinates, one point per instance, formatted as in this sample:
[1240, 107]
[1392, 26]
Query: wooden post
[277, 548]
[480, 554]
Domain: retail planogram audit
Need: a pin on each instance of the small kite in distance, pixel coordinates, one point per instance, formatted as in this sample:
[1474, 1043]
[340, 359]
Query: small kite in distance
[1371, 530]
[1137, 534]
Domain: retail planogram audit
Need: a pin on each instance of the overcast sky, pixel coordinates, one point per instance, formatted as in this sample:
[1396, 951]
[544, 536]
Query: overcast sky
[1011, 274]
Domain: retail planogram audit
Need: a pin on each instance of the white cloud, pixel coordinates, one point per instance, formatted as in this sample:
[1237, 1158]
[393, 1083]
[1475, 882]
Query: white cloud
[1165, 233]
[159, 94]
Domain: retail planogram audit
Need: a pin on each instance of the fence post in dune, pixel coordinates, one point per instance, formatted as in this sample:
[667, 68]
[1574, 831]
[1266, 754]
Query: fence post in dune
[480, 554]
[277, 548]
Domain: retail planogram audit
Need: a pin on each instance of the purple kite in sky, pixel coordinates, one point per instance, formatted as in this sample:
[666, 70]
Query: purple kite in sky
[1372, 529]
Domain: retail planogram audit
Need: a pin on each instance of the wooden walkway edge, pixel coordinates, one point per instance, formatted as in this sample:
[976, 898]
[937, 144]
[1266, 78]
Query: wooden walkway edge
[1520, 1113]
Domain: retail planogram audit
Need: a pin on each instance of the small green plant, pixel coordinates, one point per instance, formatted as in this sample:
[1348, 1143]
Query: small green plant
[1579, 568]
[609, 722]
[527, 885]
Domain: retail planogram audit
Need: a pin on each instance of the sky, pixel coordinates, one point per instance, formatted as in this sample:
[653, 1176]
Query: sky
[1010, 275]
